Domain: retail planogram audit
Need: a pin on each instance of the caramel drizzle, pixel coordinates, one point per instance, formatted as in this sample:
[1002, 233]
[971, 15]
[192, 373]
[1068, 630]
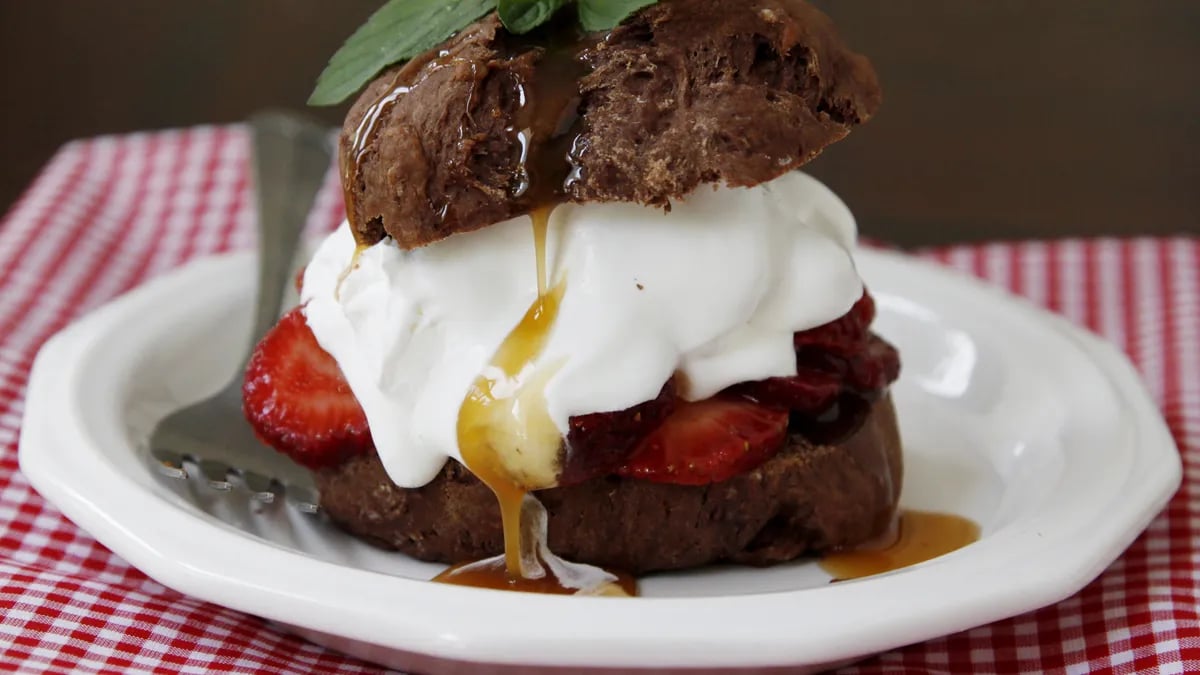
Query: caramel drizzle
[505, 433]
[509, 442]
[480, 419]
[479, 426]
[406, 79]
[493, 574]
[548, 126]
[546, 132]
[543, 572]
[507, 439]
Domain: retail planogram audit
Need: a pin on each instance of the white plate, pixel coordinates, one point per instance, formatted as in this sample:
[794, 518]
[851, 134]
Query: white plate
[1040, 432]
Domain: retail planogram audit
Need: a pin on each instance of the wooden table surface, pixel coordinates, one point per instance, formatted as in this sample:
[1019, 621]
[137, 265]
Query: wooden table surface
[1002, 119]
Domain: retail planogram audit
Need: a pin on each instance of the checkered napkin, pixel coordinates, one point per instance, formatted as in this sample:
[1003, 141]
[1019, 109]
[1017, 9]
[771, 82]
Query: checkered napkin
[108, 214]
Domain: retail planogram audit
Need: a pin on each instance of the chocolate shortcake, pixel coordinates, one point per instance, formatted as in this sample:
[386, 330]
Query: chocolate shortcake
[581, 277]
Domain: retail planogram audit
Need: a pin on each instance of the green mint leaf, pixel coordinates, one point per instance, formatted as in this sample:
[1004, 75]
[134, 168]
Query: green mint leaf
[522, 16]
[598, 15]
[397, 32]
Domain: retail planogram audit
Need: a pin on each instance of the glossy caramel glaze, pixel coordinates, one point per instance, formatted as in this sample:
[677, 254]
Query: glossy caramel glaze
[406, 79]
[492, 426]
[493, 573]
[546, 128]
[509, 442]
[917, 536]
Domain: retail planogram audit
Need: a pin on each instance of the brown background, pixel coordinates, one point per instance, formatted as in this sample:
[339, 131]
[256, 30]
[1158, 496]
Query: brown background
[1003, 118]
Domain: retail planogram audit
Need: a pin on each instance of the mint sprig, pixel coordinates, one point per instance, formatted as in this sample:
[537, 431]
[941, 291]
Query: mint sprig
[403, 29]
[397, 32]
[522, 16]
[598, 15]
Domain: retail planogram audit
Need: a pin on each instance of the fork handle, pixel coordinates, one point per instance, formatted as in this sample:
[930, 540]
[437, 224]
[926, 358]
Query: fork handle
[291, 158]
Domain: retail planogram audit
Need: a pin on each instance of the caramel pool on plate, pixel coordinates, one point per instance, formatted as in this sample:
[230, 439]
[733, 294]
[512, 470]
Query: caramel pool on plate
[494, 574]
[920, 536]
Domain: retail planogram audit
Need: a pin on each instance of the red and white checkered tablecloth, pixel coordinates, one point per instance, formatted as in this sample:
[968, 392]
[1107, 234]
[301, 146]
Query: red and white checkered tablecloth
[108, 214]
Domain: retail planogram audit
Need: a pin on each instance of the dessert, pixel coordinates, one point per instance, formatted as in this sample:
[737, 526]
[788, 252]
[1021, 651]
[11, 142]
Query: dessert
[581, 276]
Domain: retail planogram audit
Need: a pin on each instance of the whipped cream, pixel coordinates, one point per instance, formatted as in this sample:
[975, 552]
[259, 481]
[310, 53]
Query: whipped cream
[712, 291]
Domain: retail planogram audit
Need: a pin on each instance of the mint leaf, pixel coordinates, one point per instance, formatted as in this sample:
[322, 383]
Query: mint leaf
[522, 16]
[403, 29]
[397, 32]
[598, 15]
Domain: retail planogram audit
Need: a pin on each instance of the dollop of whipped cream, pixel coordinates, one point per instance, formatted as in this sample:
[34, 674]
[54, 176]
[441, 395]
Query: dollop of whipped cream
[711, 290]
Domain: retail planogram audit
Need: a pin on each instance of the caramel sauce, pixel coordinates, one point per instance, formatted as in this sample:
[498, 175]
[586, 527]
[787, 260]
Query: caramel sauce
[359, 248]
[503, 421]
[541, 227]
[493, 574]
[541, 570]
[505, 433]
[408, 77]
[547, 124]
[917, 536]
[507, 439]
[546, 127]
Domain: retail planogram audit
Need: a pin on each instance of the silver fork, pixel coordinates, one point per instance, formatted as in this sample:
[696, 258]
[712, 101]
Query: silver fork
[211, 439]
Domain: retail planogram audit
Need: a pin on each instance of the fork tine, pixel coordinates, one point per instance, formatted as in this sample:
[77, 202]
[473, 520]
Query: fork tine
[262, 488]
[210, 440]
[304, 499]
[220, 476]
[170, 464]
[216, 473]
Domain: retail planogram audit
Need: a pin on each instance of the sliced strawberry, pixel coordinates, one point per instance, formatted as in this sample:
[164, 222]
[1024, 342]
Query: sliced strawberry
[708, 442]
[599, 443]
[874, 368]
[843, 336]
[809, 391]
[297, 401]
[835, 358]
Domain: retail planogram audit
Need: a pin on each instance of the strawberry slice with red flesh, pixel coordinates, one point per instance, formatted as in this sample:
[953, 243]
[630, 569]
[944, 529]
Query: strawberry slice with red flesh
[843, 336]
[708, 441]
[297, 400]
[600, 442]
[833, 359]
